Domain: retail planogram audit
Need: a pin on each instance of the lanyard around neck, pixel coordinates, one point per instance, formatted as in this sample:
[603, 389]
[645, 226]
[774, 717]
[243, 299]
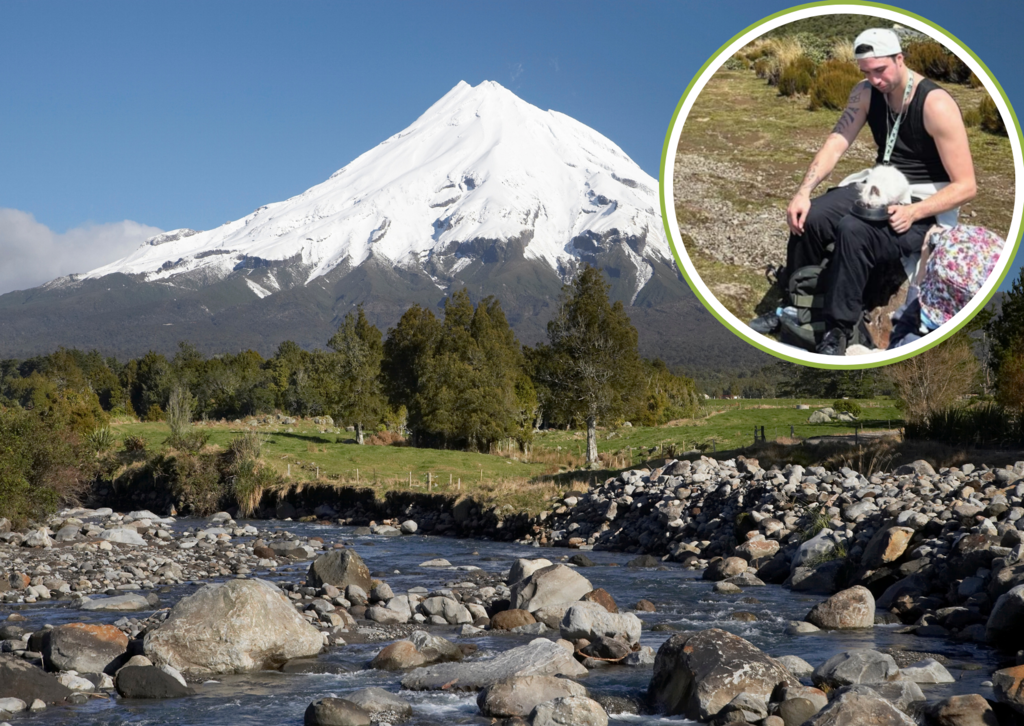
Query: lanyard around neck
[891, 141]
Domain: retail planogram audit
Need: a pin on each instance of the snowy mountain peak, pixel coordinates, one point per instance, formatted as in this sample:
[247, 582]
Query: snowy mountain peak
[480, 164]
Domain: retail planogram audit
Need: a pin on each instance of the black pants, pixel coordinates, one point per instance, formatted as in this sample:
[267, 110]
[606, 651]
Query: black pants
[859, 247]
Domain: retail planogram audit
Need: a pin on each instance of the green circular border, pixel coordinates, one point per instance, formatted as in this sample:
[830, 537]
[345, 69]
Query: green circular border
[672, 242]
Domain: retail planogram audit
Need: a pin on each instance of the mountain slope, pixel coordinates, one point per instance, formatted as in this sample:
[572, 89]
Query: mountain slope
[483, 191]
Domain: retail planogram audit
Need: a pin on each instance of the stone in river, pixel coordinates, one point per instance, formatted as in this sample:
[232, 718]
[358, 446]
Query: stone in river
[852, 608]
[383, 706]
[148, 682]
[589, 620]
[552, 586]
[340, 568]
[857, 706]
[129, 602]
[539, 657]
[82, 647]
[519, 695]
[123, 535]
[697, 674]
[335, 712]
[855, 666]
[575, 710]
[232, 627]
[21, 679]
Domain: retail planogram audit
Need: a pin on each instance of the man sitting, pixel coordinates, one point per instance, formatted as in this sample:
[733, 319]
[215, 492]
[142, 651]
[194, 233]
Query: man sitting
[919, 130]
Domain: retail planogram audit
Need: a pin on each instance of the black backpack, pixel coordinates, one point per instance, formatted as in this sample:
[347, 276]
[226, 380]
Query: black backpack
[804, 288]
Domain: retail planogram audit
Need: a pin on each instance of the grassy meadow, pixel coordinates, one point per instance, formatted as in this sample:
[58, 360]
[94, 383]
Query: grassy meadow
[304, 453]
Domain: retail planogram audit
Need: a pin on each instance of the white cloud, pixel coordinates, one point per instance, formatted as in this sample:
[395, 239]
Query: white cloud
[31, 253]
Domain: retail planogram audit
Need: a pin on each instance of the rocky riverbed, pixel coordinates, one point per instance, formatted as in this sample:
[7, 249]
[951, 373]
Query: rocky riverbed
[900, 597]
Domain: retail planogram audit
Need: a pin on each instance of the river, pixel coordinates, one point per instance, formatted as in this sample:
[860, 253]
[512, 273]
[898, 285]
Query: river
[682, 599]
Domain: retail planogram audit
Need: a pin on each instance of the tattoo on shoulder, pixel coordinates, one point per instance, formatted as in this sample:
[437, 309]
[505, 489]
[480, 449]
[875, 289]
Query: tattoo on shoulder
[845, 121]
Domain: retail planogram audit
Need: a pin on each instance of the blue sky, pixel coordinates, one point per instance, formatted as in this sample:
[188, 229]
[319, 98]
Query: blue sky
[190, 114]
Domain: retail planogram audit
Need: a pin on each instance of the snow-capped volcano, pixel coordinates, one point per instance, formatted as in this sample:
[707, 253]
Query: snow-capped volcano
[479, 166]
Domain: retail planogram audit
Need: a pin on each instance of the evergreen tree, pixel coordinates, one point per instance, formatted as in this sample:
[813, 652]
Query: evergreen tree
[407, 350]
[1005, 334]
[359, 395]
[590, 368]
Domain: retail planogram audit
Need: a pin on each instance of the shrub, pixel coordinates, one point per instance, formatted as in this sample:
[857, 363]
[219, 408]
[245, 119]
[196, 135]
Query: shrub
[248, 445]
[101, 439]
[986, 425]
[974, 82]
[796, 78]
[972, 118]
[154, 413]
[935, 61]
[841, 51]
[991, 119]
[133, 444]
[386, 438]
[251, 479]
[763, 66]
[851, 407]
[832, 86]
[197, 483]
[42, 465]
[737, 63]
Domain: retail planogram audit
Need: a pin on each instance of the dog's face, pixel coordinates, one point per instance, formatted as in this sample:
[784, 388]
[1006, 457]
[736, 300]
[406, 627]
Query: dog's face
[885, 186]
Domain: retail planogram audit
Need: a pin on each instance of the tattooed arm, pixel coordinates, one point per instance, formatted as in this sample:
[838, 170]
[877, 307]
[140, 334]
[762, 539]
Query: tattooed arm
[850, 123]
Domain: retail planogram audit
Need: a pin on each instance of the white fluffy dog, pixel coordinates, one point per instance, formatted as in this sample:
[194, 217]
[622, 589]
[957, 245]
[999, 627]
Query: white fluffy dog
[885, 186]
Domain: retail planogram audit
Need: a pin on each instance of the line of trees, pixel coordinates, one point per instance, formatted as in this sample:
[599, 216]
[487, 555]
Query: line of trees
[458, 380]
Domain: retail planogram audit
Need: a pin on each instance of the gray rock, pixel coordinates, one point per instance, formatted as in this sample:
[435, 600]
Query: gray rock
[21, 679]
[519, 695]
[569, 711]
[38, 539]
[409, 527]
[335, 712]
[851, 608]
[148, 682]
[540, 657]
[119, 603]
[590, 620]
[1004, 626]
[928, 670]
[697, 674]
[85, 648]
[340, 568]
[552, 586]
[523, 568]
[859, 705]
[855, 666]
[383, 706]
[796, 665]
[125, 536]
[232, 627]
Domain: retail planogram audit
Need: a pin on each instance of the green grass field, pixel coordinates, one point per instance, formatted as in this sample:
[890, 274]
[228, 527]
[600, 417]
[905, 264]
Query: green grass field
[304, 453]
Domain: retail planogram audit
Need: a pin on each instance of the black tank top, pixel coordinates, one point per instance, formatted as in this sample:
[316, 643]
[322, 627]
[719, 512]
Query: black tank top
[915, 153]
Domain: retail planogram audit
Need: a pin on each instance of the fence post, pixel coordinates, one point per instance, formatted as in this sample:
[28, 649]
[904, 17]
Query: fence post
[763, 440]
[791, 434]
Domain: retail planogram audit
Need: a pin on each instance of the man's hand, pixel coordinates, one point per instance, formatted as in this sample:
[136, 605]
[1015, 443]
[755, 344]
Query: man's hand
[901, 216]
[796, 212]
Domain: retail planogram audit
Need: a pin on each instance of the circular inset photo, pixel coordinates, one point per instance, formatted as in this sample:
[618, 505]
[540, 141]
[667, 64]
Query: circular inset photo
[839, 184]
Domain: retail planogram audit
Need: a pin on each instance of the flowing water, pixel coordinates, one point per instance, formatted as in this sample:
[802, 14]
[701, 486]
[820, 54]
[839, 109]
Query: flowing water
[683, 600]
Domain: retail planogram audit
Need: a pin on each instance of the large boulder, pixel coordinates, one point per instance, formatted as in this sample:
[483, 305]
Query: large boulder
[852, 608]
[887, 545]
[813, 549]
[1005, 626]
[523, 568]
[591, 620]
[697, 674]
[569, 711]
[856, 666]
[21, 679]
[857, 706]
[724, 569]
[1008, 685]
[86, 648]
[519, 695]
[540, 657]
[552, 586]
[149, 682]
[232, 627]
[340, 568]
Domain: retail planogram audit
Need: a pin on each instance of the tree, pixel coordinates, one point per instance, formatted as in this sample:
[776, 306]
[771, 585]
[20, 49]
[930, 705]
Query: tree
[462, 379]
[590, 368]
[358, 396]
[1005, 334]
[936, 379]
